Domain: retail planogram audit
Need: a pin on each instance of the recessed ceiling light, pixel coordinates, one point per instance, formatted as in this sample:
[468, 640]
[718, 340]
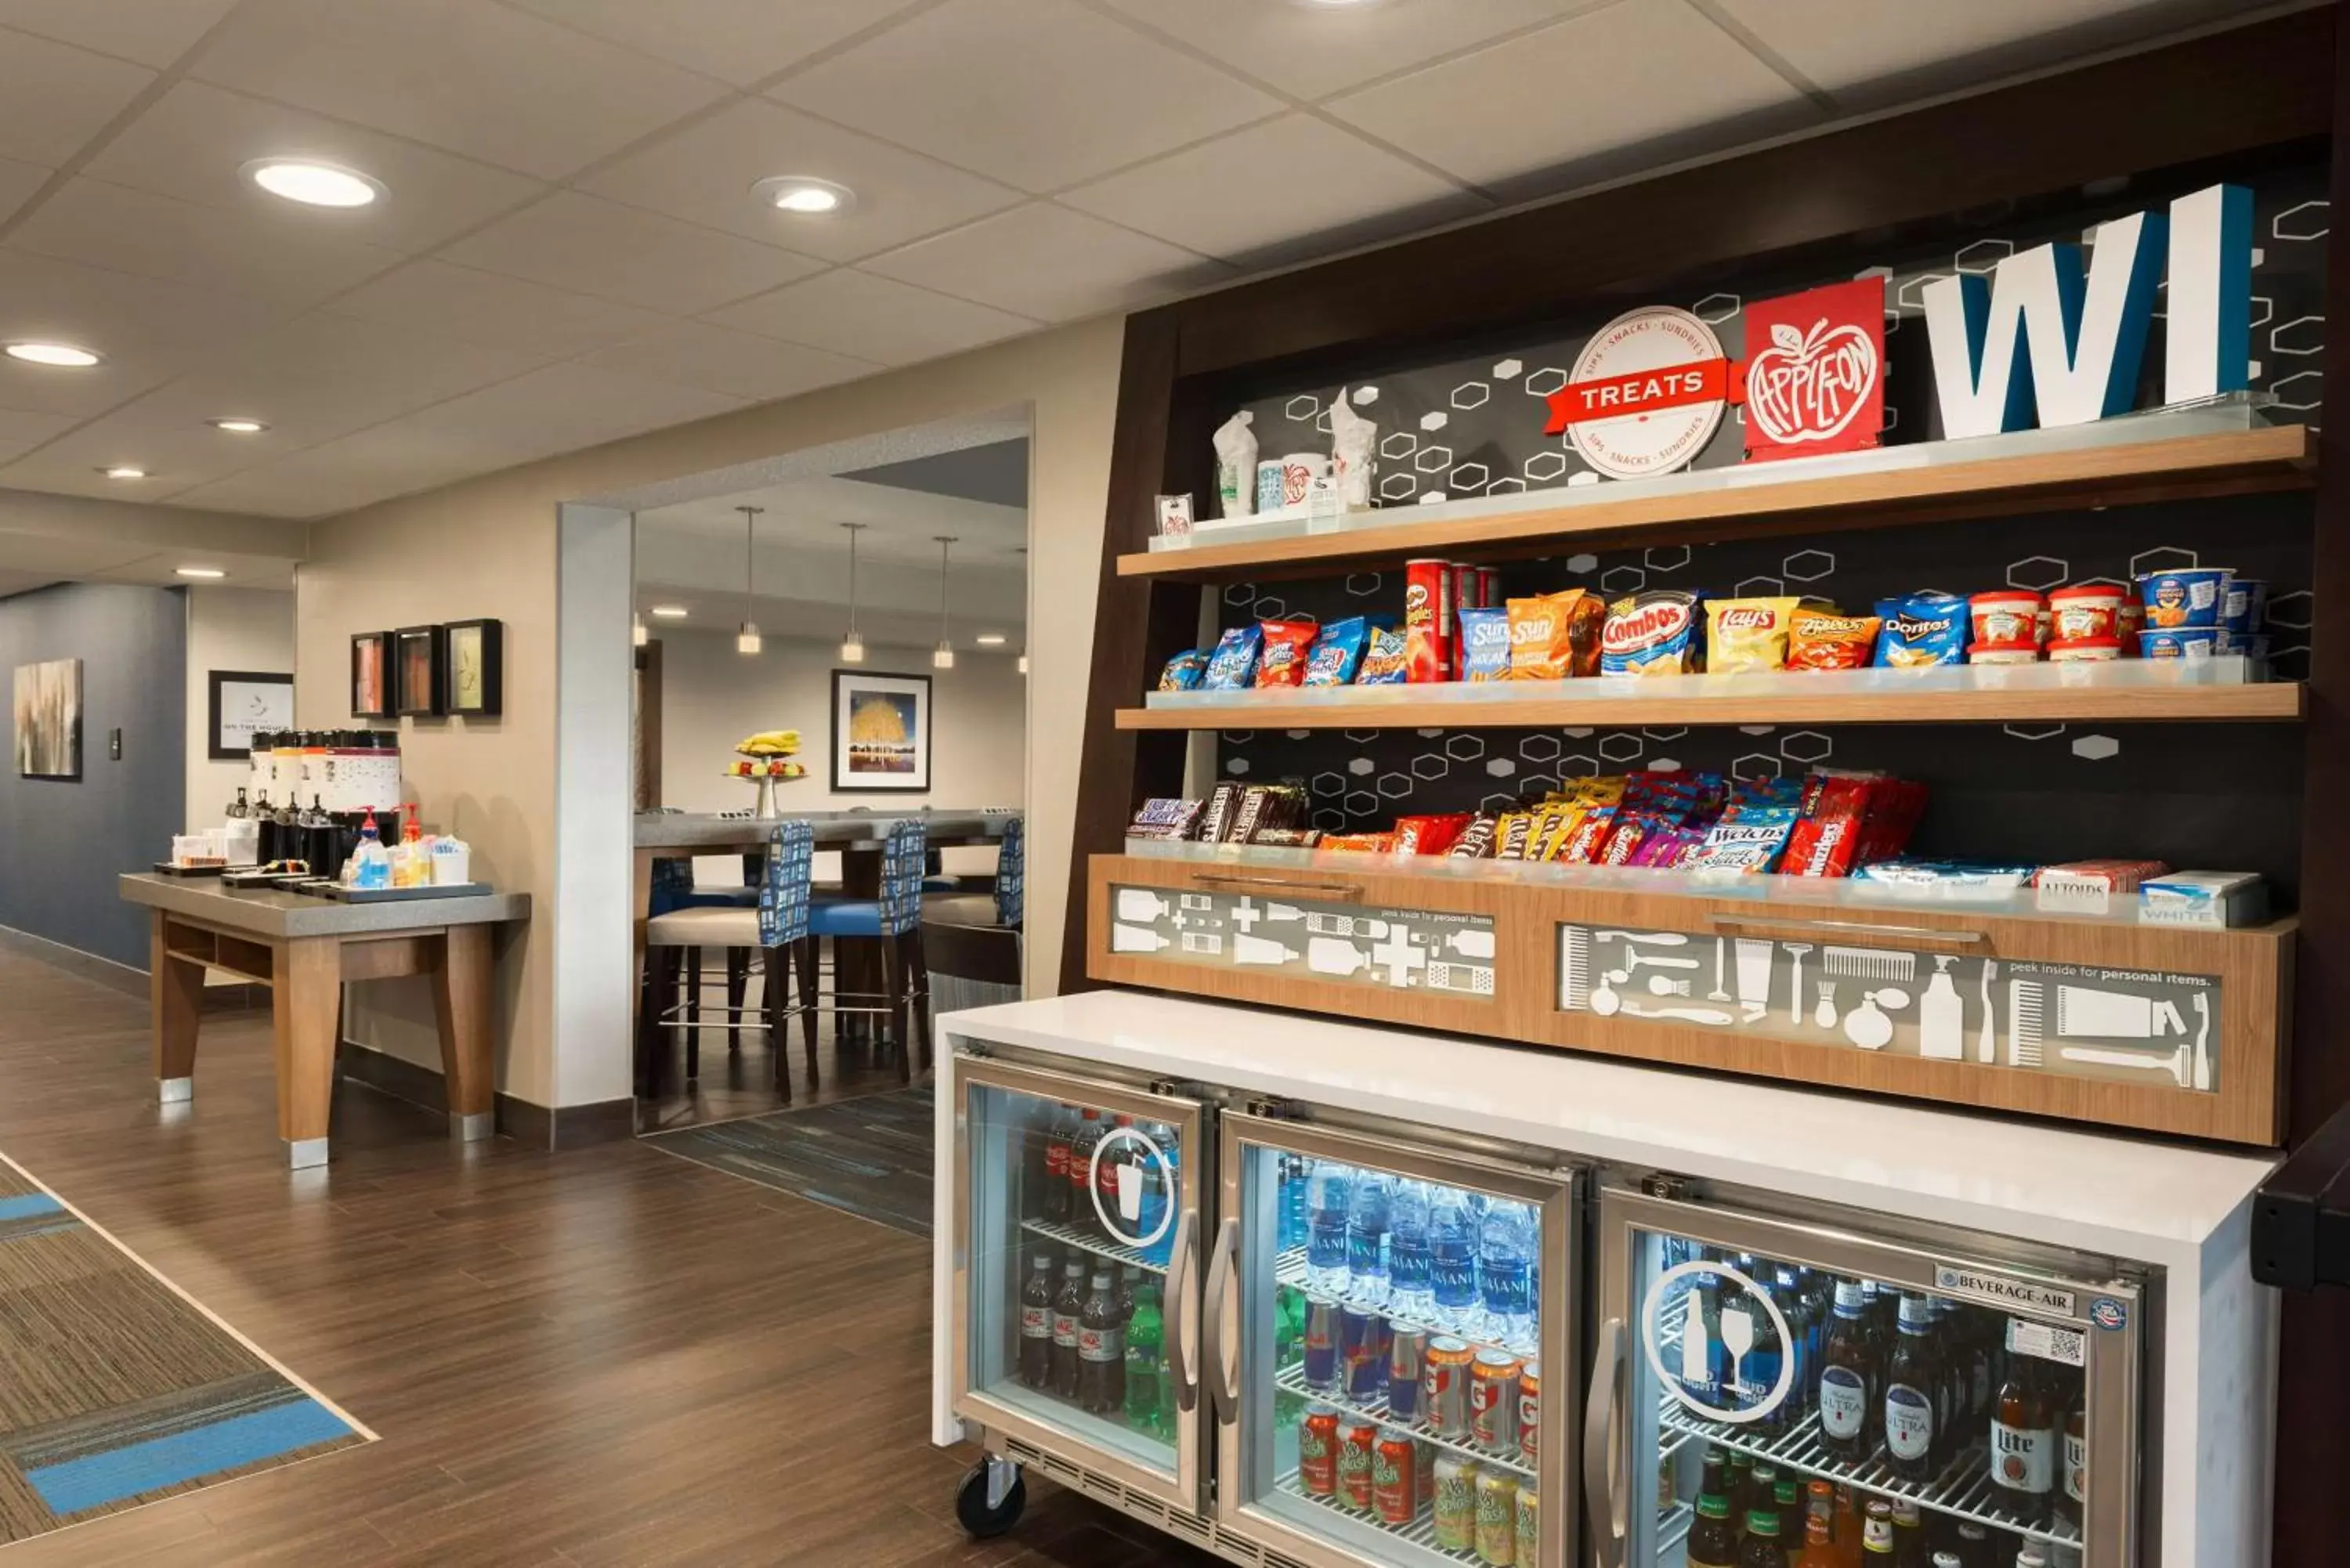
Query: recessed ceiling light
[804, 194]
[314, 184]
[123, 470]
[669, 612]
[64, 355]
[206, 572]
[238, 426]
[991, 639]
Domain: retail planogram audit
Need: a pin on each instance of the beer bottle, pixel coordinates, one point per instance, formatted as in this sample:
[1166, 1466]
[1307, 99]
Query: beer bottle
[1741, 1483]
[1037, 1324]
[1101, 1349]
[2072, 1494]
[1802, 1354]
[1848, 1527]
[1819, 1550]
[1068, 1307]
[1912, 1387]
[1909, 1549]
[2024, 1444]
[1787, 1498]
[1974, 1545]
[1712, 1539]
[1761, 1548]
[1715, 1478]
[1876, 1534]
[1848, 1376]
[1757, 1370]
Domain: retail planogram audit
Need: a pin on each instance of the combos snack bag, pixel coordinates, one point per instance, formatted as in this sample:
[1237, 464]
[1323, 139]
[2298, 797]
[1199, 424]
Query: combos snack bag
[1747, 634]
[1555, 636]
[1233, 665]
[1387, 658]
[1922, 629]
[1281, 656]
[1485, 643]
[1183, 672]
[1652, 633]
[1823, 639]
[1336, 652]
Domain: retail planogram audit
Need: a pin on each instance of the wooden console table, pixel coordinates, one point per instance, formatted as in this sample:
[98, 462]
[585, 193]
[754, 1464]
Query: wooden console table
[306, 950]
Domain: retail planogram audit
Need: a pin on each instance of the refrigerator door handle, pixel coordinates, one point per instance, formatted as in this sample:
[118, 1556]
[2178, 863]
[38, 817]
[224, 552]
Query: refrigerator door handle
[1180, 1269]
[1223, 1376]
[1601, 1403]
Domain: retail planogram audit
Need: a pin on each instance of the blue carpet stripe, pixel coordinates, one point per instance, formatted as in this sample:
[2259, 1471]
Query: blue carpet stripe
[30, 1204]
[136, 1468]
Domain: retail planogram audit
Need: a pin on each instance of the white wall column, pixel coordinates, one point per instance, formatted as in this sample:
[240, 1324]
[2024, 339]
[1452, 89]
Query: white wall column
[594, 827]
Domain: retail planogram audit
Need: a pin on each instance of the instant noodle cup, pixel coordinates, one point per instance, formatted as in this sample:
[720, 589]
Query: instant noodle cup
[2193, 595]
[1555, 637]
[2086, 611]
[2085, 649]
[1982, 653]
[1281, 659]
[1823, 639]
[2182, 642]
[1747, 634]
[2246, 607]
[2008, 618]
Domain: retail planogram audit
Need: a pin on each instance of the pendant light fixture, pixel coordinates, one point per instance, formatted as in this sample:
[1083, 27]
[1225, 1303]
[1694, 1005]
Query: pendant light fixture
[943, 659]
[852, 647]
[747, 640]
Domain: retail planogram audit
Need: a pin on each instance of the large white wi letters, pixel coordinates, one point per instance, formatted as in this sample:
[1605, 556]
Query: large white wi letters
[2044, 342]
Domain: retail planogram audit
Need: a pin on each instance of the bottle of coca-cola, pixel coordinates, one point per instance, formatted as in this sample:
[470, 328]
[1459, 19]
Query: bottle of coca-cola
[1110, 1172]
[1082, 1145]
[1101, 1350]
[1055, 1183]
[1068, 1307]
[1037, 1323]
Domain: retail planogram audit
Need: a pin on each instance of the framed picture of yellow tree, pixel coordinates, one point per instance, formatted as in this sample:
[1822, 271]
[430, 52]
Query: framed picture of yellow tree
[880, 733]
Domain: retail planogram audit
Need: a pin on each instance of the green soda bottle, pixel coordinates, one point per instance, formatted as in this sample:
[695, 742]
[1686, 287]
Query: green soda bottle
[1146, 1379]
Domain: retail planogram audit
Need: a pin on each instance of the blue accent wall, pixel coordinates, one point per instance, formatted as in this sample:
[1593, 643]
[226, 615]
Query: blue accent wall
[62, 842]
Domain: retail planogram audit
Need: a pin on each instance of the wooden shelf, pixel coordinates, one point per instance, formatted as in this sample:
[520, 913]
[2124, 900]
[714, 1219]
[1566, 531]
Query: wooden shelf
[2272, 701]
[2280, 457]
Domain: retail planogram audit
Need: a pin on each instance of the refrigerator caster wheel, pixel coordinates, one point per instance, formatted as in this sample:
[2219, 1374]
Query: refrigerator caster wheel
[989, 1500]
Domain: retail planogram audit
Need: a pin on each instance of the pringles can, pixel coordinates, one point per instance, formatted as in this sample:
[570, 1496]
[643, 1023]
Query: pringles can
[1407, 1363]
[1428, 606]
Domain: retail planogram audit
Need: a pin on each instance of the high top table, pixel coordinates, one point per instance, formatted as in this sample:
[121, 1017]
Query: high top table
[305, 949]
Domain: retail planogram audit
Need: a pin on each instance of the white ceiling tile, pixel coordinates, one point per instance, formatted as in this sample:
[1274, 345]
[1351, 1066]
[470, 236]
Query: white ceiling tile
[1040, 94]
[56, 555]
[1047, 262]
[147, 329]
[741, 363]
[192, 142]
[738, 41]
[18, 184]
[468, 74]
[151, 32]
[22, 582]
[161, 569]
[856, 313]
[492, 308]
[1597, 84]
[1314, 50]
[20, 428]
[593, 247]
[703, 174]
[266, 254]
[340, 476]
[54, 97]
[1840, 44]
[1301, 176]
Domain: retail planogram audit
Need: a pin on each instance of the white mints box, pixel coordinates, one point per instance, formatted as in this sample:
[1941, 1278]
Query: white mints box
[2203, 899]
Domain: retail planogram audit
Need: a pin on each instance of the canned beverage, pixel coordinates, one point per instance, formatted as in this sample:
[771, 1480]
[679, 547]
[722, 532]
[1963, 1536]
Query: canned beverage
[1489, 586]
[1497, 1518]
[1407, 1359]
[1444, 1387]
[1356, 1442]
[1321, 1343]
[1455, 1503]
[1317, 1451]
[1493, 1399]
[1530, 1412]
[1427, 619]
[1464, 593]
[1395, 1477]
[1363, 1348]
[1529, 1524]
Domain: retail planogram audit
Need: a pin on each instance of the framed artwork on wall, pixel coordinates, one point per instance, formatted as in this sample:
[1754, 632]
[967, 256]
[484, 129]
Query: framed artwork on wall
[244, 702]
[880, 733]
[476, 660]
[371, 675]
[419, 660]
[48, 720]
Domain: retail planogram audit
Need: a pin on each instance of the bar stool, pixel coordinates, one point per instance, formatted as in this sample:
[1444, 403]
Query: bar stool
[895, 921]
[1004, 904]
[675, 888]
[776, 927]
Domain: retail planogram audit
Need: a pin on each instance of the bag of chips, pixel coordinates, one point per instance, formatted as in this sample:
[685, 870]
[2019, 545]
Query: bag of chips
[1652, 633]
[1387, 658]
[1822, 639]
[1338, 653]
[1555, 637]
[1281, 659]
[1748, 840]
[1921, 631]
[1747, 634]
[1232, 667]
[1485, 639]
[1185, 671]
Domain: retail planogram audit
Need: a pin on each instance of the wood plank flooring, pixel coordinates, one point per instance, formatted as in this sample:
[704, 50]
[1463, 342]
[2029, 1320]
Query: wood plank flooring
[605, 1358]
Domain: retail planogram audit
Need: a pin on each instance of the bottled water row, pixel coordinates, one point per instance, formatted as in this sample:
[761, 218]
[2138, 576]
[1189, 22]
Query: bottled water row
[1458, 1261]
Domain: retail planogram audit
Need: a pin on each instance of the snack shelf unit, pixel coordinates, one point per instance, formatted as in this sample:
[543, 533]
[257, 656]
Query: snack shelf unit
[1997, 1005]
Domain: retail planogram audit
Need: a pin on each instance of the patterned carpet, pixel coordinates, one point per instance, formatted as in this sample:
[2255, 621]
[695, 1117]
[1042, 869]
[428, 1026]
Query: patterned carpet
[870, 1155]
[116, 1391]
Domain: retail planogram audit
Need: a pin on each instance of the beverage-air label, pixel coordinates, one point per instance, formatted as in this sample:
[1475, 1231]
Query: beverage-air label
[1953, 1280]
[1844, 1403]
[2022, 1462]
[2077, 1467]
[1101, 1345]
[1036, 1323]
[1908, 1421]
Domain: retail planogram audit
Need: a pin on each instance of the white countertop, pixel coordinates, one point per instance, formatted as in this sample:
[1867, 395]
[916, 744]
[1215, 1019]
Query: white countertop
[2123, 1197]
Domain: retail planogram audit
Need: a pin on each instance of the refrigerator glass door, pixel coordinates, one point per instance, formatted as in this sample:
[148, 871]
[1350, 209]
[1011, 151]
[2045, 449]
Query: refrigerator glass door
[1389, 1347]
[1076, 1216]
[1752, 1375]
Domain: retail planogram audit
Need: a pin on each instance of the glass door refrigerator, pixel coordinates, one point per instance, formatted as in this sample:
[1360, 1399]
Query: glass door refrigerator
[1389, 1344]
[1076, 1289]
[1777, 1388]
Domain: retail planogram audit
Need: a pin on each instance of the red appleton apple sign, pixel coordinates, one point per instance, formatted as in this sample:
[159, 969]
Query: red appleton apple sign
[1648, 391]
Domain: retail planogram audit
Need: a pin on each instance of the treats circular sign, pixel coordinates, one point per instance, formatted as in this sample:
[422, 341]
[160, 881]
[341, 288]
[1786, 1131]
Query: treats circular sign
[1646, 394]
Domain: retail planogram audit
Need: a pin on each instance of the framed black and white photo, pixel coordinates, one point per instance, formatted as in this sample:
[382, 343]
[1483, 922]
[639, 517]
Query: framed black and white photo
[244, 702]
[371, 675]
[476, 660]
[880, 733]
[418, 655]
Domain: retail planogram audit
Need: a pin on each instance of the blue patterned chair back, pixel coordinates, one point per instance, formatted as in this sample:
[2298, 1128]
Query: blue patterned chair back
[784, 889]
[1011, 875]
[904, 861]
[672, 884]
